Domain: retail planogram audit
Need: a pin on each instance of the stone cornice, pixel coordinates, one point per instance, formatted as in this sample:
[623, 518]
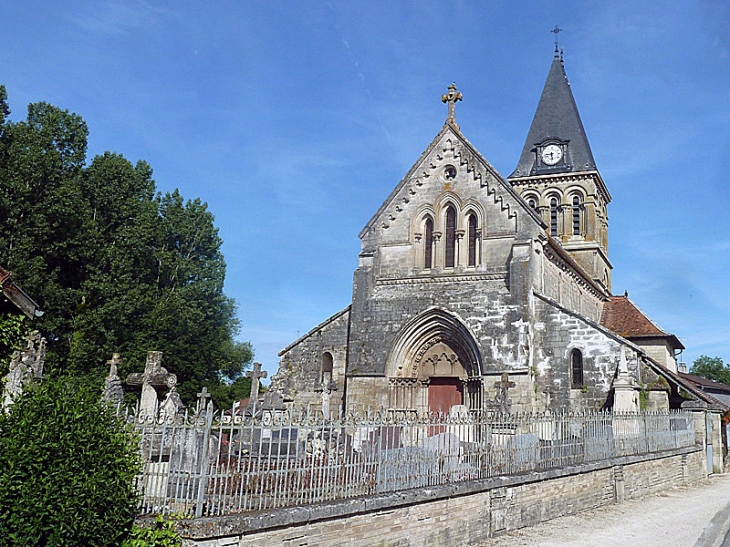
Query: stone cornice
[436, 278]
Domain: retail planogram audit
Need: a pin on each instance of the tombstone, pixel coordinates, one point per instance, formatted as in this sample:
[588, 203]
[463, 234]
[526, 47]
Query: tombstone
[502, 403]
[25, 367]
[113, 391]
[155, 377]
[255, 375]
[626, 392]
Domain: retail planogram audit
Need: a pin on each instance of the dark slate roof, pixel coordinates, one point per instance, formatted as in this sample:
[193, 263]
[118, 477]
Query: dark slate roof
[704, 383]
[623, 317]
[557, 117]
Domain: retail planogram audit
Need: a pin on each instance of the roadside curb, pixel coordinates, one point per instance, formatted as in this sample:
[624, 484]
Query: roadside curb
[714, 533]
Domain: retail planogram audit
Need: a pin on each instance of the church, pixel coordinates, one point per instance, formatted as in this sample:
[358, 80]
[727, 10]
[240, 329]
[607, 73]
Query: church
[490, 293]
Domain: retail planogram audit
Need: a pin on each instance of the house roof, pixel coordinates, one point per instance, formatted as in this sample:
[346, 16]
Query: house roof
[681, 380]
[623, 317]
[704, 382]
[17, 296]
[557, 117]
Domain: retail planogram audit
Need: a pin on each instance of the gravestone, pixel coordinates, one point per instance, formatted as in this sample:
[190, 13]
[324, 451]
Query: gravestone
[155, 377]
[25, 367]
[113, 392]
[255, 375]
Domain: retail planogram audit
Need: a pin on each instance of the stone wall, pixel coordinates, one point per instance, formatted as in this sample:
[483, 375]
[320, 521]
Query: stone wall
[455, 514]
[301, 378]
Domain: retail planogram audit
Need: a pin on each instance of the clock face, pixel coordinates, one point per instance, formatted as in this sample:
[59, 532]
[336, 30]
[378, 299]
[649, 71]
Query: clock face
[552, 154]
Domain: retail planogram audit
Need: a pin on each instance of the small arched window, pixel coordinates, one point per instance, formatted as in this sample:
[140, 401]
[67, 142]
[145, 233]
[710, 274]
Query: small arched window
[532, 202]
[576, 364]
[554, 216]
[576, 216]
[449, 261]
[327, 362]
[472, 240]
[428, 244]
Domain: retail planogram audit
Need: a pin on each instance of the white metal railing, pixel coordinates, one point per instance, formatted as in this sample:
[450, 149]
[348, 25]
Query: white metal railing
[214, 464]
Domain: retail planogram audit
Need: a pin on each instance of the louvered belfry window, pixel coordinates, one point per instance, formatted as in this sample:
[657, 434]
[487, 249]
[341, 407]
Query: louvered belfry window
[450, 237]
[576, 215]
[553, 217]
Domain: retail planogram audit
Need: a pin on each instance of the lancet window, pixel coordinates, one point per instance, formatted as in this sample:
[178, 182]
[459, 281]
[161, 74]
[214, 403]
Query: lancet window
[449, 258]
[576, 363]
[472, 259]
[428, 244]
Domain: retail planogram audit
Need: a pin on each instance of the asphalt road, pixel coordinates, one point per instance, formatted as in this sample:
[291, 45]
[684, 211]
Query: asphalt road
[694, 516]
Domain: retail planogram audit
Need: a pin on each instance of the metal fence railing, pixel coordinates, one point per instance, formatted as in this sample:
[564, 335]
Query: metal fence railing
[210, 463]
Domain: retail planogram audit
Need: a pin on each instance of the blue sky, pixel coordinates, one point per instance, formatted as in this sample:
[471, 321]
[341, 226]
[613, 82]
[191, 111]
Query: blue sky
[294, 121]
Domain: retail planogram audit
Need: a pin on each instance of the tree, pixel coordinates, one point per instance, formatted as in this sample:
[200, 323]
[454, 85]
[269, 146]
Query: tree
[711, 368]
[67, 469]
[116, 266]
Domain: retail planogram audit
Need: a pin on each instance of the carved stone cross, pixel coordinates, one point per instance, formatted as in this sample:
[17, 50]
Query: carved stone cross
[451, 97]
[154, 377]
[202, 396]
[502, 398]
[255, 375]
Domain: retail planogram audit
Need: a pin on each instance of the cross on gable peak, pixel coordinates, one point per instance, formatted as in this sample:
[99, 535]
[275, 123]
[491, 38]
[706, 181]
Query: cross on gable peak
[451, 99]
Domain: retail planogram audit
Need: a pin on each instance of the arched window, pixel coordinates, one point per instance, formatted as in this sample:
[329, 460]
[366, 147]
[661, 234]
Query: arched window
[472, 240]
[450, 237]
[532, 202]
[327, 362]
[576, 363]
[428, 244]
[576, 216]
[554, 216]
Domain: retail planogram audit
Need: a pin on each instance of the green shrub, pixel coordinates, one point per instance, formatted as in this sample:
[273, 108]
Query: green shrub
[67, 468]
[160, 534]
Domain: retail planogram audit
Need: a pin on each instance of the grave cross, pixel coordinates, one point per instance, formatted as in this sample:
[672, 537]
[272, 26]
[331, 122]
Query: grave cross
[255, 375]
[502, 398]
[202, 396]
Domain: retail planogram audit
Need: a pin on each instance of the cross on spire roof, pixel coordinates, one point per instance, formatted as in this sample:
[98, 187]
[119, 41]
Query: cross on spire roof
[555, 31]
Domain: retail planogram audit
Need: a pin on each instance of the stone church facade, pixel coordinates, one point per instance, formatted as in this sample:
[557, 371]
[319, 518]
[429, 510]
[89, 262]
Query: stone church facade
[477, 291]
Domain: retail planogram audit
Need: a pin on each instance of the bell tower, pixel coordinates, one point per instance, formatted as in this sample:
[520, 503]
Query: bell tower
[557, 176]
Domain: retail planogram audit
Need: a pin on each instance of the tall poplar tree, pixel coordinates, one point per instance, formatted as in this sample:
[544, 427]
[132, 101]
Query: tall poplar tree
[115, 265]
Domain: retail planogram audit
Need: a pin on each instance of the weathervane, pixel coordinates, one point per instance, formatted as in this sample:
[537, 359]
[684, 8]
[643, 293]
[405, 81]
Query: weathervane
[555, 31]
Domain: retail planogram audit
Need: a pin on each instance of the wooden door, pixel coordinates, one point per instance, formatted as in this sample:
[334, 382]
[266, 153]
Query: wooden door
[443, 393]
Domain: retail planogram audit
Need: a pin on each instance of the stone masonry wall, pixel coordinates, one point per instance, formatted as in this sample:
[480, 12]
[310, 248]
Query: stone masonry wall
[556, 331]
[456, 514]
[300, 376]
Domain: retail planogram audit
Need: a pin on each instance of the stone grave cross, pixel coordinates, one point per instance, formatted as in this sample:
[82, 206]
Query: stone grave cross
[502, 398]
[255, 375]
[154, 377]
[202, 396]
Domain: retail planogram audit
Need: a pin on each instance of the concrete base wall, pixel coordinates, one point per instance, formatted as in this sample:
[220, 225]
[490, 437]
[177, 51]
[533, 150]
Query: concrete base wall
[453, 514]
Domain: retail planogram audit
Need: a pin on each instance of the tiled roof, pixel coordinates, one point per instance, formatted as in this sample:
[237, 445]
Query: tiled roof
[623, 317]
[704, 382]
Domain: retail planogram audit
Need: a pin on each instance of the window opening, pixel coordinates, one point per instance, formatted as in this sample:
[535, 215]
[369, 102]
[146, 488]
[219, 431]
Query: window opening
[576, 216]
[450, 237]
[428, 245]
[472, 240]
[327, 362]
[553, 217]
[576, 360]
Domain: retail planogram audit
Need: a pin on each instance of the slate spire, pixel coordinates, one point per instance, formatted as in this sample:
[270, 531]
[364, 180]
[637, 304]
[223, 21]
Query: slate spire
[556, 120]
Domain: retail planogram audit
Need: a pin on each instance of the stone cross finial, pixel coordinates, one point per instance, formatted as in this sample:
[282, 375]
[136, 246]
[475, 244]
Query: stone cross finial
[255, 375]
[451, 97]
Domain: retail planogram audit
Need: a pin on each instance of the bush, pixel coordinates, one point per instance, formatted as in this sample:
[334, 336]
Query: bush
[67, 468]
[160, 534]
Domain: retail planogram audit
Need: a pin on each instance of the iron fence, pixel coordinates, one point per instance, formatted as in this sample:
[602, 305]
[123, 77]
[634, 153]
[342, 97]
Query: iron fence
[208, 463]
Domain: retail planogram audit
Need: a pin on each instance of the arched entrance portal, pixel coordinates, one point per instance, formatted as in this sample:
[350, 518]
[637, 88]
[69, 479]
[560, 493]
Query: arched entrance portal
[434, 365]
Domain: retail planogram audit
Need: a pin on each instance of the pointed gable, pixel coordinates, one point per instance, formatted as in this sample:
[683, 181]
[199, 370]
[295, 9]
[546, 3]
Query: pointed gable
[556, 118]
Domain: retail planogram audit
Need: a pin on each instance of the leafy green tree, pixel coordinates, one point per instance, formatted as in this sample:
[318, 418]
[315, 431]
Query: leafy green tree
[67, 469]
[711, 368]
[116, 266]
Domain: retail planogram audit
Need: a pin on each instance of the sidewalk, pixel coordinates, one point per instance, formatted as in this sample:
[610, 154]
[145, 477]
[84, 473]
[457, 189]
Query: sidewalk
[696, 516]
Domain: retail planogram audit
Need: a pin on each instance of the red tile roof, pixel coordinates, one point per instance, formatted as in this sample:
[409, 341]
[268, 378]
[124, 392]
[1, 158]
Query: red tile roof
[623, 317]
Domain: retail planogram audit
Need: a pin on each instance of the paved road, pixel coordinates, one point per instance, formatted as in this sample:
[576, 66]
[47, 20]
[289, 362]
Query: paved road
[696, 516]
